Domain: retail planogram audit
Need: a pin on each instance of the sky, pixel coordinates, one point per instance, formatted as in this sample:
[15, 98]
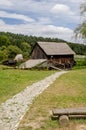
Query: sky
[47, 18]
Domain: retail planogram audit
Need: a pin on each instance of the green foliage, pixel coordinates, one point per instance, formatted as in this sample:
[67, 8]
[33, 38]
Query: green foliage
[78, 48]
[2, 48]
[80, 62]
[3, 55]
[4, 40]
[25, 46]
[12, 51]
[12, 44]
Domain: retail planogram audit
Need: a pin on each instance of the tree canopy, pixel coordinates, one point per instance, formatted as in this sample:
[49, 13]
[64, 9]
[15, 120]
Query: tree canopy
[81, 29]
[13, 44]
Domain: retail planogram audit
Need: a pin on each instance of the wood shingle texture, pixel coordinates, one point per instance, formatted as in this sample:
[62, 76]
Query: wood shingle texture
[53, 48]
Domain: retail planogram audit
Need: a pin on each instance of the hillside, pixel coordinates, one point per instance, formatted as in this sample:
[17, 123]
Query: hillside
[12, 44]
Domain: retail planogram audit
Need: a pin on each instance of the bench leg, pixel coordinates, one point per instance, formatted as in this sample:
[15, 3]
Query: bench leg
[64, 120]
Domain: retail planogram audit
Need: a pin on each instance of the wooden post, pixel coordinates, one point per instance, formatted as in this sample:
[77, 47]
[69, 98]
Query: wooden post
[64, 120]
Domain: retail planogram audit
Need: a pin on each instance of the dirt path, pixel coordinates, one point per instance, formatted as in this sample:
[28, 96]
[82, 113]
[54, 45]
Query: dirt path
[13, 110]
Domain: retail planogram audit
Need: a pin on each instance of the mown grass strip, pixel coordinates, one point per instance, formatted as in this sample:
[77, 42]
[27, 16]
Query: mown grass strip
[69, 90]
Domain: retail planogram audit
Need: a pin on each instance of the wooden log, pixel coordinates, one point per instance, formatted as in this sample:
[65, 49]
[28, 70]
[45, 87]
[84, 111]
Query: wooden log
[63, 120]
[77, 116]
[56, 68]
[69, 111]
[71, 116]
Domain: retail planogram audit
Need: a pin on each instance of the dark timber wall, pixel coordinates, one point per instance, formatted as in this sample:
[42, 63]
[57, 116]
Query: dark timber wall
[38, 53]
[61, 58]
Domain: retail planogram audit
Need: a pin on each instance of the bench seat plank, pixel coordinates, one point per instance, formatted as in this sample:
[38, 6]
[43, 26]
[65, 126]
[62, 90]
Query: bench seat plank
[69, 111]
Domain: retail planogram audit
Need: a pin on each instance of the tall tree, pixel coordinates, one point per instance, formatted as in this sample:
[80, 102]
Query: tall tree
[81, 29]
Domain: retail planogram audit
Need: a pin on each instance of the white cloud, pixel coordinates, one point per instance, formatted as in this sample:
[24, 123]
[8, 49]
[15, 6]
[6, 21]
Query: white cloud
[44, 20]
[5, 3]
[59, 32]
[75, 1]
[61, 9]
[27, 6]
[38, 30]
[4, 14]
[43, 8]
[65, 14]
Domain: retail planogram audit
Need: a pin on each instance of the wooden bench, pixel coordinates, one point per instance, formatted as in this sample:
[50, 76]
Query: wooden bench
[64, 114]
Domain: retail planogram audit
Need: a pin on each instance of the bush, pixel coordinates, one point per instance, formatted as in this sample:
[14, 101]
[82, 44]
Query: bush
[80, 63]
[3, 55]
[13, 51]
[4, 41]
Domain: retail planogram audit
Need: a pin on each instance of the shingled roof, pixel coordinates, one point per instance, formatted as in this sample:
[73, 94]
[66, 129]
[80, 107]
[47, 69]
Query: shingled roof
[53, 48]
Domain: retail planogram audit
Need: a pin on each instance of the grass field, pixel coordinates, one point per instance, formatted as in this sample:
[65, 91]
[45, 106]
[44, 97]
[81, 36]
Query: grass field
[13, 81]
[69, 90]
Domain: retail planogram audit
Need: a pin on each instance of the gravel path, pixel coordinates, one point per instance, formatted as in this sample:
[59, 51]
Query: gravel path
[13, 110]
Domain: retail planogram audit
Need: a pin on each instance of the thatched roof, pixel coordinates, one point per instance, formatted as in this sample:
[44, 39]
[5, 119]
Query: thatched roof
[53, 48]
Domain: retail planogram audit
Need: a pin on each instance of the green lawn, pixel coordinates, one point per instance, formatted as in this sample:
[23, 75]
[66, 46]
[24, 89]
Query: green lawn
[13, 81]
[69, 90]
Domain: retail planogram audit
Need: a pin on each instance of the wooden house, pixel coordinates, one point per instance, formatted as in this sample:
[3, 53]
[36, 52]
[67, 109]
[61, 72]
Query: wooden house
[57, 54]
